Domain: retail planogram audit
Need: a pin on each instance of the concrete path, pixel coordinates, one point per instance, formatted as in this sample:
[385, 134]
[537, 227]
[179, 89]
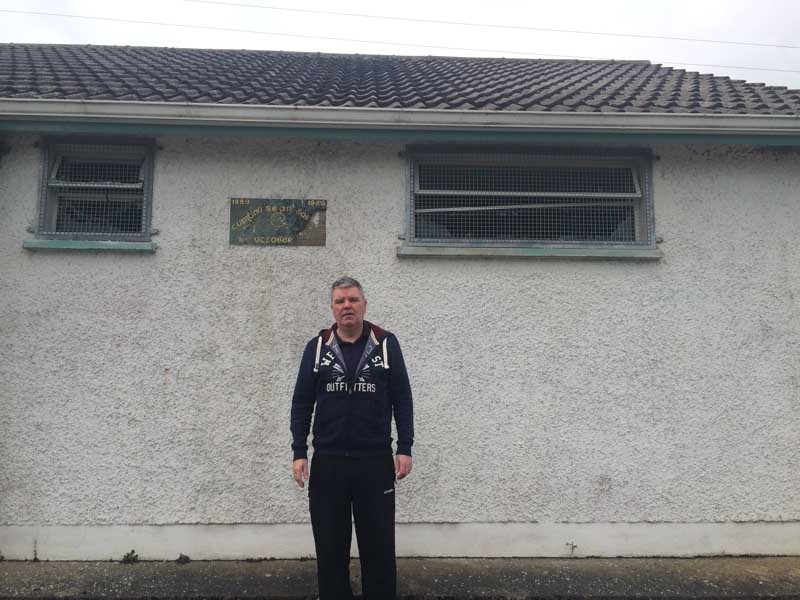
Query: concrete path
[428, 579]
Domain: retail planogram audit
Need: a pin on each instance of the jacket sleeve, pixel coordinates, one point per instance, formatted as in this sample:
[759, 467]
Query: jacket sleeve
[400, 394]
[303, 403]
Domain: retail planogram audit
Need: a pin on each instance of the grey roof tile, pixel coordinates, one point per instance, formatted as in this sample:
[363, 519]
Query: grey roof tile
[148, 74]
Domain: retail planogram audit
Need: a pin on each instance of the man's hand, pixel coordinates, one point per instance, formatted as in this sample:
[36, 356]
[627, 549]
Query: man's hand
[300, 471]
[402, 466]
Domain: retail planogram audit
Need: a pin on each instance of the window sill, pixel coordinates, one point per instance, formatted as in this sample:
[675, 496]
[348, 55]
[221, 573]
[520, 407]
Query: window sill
[89, 245]
[521, 252]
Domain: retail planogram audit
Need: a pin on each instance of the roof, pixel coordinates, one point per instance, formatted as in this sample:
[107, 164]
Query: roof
[249, 77]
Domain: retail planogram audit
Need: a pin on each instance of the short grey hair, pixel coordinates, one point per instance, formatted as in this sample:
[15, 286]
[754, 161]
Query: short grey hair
[347, 282]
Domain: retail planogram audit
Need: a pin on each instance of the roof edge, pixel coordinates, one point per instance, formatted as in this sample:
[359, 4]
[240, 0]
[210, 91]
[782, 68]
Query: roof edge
[238, 115]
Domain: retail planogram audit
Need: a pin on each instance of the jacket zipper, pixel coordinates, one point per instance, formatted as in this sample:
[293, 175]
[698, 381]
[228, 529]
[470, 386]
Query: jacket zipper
[361, 364]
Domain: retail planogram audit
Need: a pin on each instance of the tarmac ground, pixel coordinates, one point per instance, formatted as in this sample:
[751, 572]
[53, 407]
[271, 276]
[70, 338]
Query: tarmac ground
[419, 579]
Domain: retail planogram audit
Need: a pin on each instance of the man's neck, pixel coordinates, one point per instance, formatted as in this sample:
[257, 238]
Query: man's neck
[350, 334]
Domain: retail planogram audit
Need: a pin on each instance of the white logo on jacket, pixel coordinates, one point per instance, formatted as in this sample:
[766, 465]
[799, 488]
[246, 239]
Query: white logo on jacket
[340, 384]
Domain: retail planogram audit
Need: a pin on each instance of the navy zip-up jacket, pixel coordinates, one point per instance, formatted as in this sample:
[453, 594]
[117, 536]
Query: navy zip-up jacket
[352, 417]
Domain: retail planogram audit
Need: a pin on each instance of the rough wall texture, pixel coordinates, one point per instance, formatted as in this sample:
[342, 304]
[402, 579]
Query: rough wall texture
[151, 389]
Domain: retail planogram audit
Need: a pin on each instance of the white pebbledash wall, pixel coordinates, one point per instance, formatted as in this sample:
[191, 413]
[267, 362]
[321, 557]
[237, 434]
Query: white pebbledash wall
[563, 407]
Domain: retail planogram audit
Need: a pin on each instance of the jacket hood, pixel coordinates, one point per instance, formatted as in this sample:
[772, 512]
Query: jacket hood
[376, 332]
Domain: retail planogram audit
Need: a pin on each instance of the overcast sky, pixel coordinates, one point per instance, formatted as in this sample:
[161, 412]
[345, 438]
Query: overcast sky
[771, 22]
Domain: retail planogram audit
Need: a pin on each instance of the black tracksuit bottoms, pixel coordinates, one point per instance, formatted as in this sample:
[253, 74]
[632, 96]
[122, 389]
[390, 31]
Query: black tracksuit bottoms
[364, 487]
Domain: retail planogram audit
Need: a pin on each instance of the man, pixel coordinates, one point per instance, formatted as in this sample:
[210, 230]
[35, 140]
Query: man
[355, 376]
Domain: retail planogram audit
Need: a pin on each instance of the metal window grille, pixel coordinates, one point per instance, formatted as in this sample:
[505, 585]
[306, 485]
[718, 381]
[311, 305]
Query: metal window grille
[519, 199]
[96, 191]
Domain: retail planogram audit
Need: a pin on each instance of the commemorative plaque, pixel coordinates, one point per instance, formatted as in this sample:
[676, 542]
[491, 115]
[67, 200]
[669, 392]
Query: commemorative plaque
[277, 222]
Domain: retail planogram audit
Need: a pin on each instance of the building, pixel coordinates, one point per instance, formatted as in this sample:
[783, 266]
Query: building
[591, 266]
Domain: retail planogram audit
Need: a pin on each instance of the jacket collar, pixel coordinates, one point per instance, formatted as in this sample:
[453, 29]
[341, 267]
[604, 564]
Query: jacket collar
[376, 334]
[375, 337]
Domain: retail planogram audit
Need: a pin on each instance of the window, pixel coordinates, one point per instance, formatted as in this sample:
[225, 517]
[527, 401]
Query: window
[95, 190]
[531, 198]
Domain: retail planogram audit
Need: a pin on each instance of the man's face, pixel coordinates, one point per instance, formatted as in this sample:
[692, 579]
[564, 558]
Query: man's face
[348, 306]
